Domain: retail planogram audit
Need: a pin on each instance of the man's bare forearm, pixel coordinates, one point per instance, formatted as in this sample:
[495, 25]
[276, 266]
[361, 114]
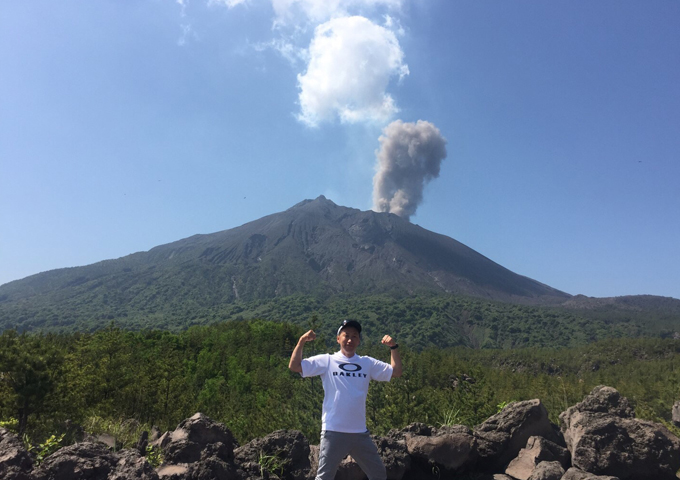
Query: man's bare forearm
[395, 358]
[395, 361]
[295, 363]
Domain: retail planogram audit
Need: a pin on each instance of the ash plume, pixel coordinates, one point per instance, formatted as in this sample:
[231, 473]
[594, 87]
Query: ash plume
[410, 155]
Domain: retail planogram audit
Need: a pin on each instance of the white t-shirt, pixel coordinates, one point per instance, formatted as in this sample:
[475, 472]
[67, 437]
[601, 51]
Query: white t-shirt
[345, 384]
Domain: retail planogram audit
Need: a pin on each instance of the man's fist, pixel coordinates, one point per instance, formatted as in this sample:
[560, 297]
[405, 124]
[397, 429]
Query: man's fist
[308, 337]
[389, 341]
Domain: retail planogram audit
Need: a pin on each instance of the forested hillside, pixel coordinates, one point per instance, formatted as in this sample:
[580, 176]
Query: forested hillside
[236, 372]
[423, 321]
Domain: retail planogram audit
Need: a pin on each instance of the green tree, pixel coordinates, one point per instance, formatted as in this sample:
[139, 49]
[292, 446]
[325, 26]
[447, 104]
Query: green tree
[27, 371]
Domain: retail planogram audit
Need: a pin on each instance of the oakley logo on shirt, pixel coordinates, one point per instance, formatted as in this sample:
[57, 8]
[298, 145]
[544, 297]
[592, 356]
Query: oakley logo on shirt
[350, 367]
[349, 370]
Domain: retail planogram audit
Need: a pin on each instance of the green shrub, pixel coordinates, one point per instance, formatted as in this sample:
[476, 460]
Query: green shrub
[11, 424]
[43, 450]
[154, 455]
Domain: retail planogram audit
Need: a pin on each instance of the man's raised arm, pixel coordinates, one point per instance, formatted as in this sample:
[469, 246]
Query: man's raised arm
[295, 363]
[395, 358]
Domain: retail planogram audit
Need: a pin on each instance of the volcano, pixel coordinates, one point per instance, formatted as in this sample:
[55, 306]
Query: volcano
[314, 248]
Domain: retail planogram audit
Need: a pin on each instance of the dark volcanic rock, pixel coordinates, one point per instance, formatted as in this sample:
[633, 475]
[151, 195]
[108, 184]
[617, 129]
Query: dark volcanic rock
[143, 442]
[547, 471]
[284, 453]
[576, 474]
[675, 414]
[501, 437]
[132, 466]
[450, 449]
[537, 450]
[313, 461]
[415, 429]
[104, 438]
[349, 470]
[394, 455]
[608, 400]
[178, 471]
[212, 468]
[195, 434]
[15, 462]
[604, 439]
[91, 461]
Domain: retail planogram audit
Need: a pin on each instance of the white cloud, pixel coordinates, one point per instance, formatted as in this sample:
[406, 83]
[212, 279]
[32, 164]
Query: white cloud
[183, 6]
[226, 3]
[286, 49]
[351, 62]
[187, 34]
[317, 11]
[394, 25]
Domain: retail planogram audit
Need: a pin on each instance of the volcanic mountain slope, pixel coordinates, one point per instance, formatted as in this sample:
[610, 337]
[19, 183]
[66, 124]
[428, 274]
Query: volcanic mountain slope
[314, 247]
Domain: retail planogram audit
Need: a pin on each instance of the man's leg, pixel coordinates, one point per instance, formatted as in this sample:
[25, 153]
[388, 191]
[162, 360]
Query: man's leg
[365, 453]
[333, 449]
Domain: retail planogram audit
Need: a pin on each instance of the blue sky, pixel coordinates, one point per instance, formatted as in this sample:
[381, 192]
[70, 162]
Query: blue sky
[129, 124]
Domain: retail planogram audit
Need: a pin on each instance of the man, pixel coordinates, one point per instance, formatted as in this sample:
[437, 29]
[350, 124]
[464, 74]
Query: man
[345, 377]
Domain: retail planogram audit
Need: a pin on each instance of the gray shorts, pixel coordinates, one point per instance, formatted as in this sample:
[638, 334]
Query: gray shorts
[335, 446]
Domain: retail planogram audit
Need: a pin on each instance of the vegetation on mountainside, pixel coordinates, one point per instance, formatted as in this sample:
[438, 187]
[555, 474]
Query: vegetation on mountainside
[236, 373]
[423, 321]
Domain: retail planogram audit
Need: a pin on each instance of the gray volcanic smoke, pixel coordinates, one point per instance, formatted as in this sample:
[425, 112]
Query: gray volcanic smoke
[410, 155]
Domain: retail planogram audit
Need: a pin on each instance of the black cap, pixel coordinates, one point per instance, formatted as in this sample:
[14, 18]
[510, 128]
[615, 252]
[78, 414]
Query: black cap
[350, 323]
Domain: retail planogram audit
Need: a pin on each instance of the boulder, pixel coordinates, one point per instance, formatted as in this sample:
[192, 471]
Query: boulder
[88, 460]
[605, 439]
[349, 470]
[502, 436]
[313, 461]
[213, 468]
[15, 461]
[537, 450]
[143, 442]
[178, 471]
[675, 414]
[162, 441]
[193, 435]
[450, 449]
[576, 474]
[284, 453]
[413, 428]
[603, 399]
[394, 455]
[132, 466]
[155, 433]
[94, 461]
[547, 471]
[104, 438]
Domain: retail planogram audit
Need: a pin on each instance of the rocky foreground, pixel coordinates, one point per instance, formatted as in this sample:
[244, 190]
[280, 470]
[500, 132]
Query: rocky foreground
[599, 438]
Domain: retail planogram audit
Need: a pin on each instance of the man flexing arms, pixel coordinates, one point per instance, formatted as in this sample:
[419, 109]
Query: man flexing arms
[345, 377]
